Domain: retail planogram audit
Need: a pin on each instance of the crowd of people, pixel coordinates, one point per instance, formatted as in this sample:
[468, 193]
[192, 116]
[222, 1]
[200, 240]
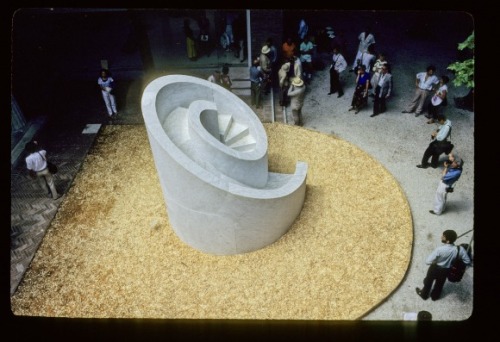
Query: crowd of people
[373, 79]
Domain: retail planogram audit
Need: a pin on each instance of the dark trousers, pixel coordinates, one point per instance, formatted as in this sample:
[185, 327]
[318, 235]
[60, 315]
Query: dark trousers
[433, 151]
[267, 83]
[335, 82]
[255, 90]
[434, 274]
[358, 100]
[433, 111]
[379, 102]
[284, 95]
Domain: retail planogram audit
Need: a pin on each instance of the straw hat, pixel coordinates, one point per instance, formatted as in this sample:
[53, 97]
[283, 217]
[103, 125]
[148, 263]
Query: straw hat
[297, 81]
[265, 49]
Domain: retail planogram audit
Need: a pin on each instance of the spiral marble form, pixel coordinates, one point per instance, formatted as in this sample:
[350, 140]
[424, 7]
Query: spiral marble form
[210, 152]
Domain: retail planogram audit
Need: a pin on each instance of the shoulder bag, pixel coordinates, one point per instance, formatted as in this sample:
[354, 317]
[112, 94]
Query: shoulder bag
[51, 166]
[457, 268]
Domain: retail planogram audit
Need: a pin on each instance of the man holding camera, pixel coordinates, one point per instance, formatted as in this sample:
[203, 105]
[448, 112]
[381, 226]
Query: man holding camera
[451, 173]
[440, 143]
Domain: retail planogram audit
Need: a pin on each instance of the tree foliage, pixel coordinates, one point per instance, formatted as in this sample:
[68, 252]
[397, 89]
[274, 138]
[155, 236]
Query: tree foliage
[464, 70]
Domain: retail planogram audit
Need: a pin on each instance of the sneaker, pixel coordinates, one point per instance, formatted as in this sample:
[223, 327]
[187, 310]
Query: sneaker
[340, 95]
[421, 166]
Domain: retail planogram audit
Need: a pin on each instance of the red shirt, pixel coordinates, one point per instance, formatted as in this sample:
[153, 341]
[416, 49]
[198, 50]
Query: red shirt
[288, 50]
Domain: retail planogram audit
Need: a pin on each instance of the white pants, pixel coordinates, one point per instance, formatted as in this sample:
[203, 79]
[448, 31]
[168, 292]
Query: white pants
[440, 198]
[109, 100]
[359, 55]
[45, 179]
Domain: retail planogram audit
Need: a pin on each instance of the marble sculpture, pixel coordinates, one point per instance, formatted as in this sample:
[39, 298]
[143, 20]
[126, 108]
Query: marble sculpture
[210, 152]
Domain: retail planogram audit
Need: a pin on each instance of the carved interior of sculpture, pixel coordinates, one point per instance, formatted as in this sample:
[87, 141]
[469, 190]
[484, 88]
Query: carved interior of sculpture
[210, 151]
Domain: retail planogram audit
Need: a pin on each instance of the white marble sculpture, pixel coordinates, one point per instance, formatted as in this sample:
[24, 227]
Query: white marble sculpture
[210, 151]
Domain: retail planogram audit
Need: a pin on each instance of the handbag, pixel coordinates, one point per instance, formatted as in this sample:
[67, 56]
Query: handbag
[51, 166]
[436, 100]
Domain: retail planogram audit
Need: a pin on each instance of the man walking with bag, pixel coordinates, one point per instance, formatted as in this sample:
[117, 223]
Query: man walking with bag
[440, 143]
[36, 163]
[440, 262]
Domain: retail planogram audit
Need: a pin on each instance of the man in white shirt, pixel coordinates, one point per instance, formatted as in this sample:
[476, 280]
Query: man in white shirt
[339, 64]
[425, 83]
[383, 90]
[306, 50]
[36, 163]
[366, 39]
[440, 144]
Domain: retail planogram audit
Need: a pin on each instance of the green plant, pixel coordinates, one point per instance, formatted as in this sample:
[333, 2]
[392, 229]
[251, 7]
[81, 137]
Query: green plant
[464, 71]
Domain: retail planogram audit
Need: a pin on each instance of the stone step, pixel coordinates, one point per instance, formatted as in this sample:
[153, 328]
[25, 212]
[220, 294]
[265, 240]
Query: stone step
[236, 132]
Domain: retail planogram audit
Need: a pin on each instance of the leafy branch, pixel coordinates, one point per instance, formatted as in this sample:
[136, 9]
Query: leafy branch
[464, 71]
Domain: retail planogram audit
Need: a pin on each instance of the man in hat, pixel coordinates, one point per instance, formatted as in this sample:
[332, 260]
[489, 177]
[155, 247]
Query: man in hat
[440, 262]
[296, 92]
[284, 83]
[265, 66]
[451, 173]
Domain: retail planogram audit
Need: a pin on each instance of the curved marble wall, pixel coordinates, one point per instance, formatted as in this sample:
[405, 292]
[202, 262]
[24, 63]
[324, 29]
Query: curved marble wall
[210, 151]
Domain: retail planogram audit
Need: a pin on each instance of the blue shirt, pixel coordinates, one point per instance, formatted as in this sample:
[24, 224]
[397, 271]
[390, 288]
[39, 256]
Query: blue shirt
[255, 74]
[444, 255]
[363, 78]
[451, 176]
